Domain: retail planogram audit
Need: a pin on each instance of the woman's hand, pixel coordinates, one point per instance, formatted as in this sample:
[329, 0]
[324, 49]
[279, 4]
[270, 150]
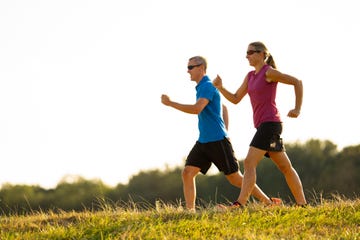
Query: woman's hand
[294, 113]
[165, 100]
[217, 82]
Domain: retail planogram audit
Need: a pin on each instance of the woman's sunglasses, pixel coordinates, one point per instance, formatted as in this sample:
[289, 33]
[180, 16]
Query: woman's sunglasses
[251, 52]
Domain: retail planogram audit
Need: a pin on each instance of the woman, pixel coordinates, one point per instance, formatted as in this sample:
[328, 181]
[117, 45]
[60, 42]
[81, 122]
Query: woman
[261, 85]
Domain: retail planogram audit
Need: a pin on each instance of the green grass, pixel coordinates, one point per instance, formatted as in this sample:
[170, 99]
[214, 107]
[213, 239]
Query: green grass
[336, 219]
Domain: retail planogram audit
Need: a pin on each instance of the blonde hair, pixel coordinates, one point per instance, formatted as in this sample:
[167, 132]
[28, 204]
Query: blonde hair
[259, 46]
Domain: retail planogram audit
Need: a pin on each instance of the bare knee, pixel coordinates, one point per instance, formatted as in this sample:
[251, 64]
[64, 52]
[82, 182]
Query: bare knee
[286, 168]
[282, 162]
[235, 179]
[253, 158]
[189, 172]
[185, 174]
[249, 165]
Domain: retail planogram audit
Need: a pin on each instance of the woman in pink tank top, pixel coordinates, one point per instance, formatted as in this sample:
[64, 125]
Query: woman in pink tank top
[261, 85]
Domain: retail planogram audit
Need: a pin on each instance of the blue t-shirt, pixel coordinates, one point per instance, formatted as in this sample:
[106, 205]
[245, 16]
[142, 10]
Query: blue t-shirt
[211, 125]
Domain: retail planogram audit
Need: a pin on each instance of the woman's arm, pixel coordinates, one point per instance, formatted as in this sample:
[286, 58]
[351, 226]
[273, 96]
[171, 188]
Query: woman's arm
[231, 97]
[273, 75]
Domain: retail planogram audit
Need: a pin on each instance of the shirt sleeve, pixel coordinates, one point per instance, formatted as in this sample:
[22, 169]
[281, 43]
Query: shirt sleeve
[207, 91]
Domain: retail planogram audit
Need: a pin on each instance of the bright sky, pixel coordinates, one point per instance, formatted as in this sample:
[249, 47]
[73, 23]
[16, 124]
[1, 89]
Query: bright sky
[80, 81]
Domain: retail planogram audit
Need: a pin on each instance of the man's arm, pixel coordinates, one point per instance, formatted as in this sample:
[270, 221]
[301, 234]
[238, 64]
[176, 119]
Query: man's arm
[187, 108]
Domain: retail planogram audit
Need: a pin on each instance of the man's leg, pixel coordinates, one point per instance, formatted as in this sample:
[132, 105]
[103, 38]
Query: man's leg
[188, 177]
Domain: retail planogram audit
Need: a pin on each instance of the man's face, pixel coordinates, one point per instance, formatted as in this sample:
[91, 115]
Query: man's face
[195, 70]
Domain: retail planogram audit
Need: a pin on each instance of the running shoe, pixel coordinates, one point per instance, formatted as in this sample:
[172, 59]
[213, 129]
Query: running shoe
[232, 206]
[275, 201]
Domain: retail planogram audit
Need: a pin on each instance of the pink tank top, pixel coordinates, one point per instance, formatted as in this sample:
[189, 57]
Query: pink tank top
[262, 97]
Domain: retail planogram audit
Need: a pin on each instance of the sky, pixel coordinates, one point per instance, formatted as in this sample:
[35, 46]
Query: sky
[81, 80]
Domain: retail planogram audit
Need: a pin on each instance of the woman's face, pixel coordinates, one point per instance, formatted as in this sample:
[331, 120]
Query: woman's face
[253, 55]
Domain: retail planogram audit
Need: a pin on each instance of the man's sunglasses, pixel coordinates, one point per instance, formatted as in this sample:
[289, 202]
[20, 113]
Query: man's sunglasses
[251, 52]
[190, 67]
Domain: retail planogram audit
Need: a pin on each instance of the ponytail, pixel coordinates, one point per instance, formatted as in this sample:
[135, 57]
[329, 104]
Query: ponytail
[270, 61]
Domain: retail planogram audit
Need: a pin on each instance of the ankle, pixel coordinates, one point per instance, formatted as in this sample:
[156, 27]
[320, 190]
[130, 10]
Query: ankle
[303, 205]
[237, 204]
[190, 210]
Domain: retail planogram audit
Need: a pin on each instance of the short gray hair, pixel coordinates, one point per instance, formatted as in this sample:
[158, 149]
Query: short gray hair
[199, 60]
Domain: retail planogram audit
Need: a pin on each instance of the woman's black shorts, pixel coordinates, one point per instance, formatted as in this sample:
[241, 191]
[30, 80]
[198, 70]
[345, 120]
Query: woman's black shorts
[267, 137]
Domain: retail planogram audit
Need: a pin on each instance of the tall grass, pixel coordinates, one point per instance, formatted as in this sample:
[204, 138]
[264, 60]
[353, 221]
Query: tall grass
[328, 219]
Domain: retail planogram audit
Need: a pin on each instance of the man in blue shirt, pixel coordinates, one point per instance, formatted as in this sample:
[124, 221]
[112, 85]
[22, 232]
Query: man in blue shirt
[213, 145]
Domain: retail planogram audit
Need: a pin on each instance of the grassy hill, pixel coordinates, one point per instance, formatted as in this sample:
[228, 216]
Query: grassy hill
[337, 219]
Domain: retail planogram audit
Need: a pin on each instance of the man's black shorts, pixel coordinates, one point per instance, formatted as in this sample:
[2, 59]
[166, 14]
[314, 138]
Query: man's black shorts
[220, 153]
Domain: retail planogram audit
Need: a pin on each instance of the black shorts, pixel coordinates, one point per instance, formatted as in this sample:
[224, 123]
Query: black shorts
[267, 137]
[221, 153]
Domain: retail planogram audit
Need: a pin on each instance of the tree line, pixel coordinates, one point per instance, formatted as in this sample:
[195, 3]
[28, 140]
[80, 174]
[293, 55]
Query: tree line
[324, 171]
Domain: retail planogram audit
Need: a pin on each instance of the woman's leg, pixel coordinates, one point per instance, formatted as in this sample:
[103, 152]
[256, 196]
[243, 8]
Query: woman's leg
[236, 179]
[252, 159]
[292, 178]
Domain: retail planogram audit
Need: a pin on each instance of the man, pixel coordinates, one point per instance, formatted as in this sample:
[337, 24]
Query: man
[213, 145]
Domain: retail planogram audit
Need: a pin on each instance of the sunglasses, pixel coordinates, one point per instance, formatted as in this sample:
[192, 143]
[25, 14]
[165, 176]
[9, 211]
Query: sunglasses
[190, 67]
[251, 52]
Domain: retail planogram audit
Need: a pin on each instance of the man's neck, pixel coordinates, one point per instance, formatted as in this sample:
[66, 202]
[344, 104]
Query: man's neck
[200, 78]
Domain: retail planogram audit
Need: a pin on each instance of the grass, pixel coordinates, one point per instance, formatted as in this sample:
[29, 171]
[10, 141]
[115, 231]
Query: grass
[332, 219]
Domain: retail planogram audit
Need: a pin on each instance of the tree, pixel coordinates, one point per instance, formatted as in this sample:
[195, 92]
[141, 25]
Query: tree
[341, 175]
